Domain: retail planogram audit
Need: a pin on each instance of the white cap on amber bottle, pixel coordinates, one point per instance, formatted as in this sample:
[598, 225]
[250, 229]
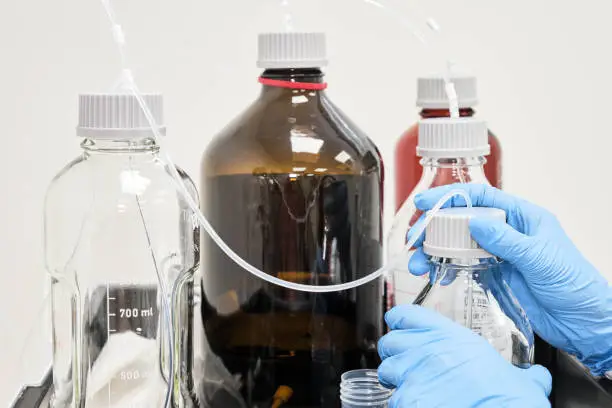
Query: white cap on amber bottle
[448, 234]
[292, 50]
[453, 137]
[431, 91]
[118, 116]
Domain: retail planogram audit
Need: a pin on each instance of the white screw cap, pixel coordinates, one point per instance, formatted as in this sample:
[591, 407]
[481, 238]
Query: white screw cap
[448, 233]
[292, 50]
[431, 91]
[453, 137]
[118, 116]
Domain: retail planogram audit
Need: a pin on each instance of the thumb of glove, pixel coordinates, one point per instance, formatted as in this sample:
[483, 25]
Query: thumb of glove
[500, 239]
[540, 376]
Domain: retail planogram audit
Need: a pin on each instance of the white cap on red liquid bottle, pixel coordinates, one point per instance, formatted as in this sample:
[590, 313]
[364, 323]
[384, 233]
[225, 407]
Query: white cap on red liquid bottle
[431, 91]
[292, 50]
[448, 234]
[118, 116]
[453, 137]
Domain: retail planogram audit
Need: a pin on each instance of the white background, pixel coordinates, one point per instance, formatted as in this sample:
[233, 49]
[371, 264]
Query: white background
[544, 69]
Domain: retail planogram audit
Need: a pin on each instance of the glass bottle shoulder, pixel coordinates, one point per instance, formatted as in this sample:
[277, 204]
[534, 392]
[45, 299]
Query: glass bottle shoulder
[286, 130]
[68, 173]
[116, 174]
[409, 137]
[103, 204]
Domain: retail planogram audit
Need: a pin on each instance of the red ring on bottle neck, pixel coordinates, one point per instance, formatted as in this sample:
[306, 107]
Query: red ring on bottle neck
[310, 86]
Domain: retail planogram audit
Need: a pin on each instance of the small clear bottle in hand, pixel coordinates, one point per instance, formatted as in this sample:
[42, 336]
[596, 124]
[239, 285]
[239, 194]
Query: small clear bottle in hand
[467, 286]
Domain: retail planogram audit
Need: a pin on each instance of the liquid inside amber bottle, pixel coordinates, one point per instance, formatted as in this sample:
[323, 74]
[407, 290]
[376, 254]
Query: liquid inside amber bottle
[295, 189]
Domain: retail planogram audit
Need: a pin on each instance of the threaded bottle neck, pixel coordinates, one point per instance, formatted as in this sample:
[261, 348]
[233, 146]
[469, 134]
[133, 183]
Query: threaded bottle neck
[361, 388]
[305, 75]
[127, 145]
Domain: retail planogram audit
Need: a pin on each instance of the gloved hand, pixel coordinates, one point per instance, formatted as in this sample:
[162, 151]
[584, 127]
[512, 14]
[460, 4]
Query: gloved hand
[434, 362]
[567, 301]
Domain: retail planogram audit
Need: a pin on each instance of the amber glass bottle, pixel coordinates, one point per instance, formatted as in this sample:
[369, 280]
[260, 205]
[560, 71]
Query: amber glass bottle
[296, 189]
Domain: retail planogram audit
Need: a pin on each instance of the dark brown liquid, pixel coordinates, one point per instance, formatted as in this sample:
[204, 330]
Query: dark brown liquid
[312, 229]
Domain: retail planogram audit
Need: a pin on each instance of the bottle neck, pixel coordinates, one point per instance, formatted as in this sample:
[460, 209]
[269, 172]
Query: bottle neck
[132, 147]
[304, 75]
[443, 171]
[474, 264]
[293, 82]
[445, 113]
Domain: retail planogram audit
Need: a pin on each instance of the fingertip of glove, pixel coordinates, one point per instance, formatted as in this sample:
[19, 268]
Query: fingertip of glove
[542, 377]
[406, 317]
[420, 201]
[382, 346]
[382, 380]
[395, 316]
[410, 236]
[482, 226]
[419, 263]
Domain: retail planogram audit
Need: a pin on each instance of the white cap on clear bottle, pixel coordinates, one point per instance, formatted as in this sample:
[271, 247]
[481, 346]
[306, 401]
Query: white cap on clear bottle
[453, 137]
[118, 116]
[448, 234]
[292, 50]
[431, 91]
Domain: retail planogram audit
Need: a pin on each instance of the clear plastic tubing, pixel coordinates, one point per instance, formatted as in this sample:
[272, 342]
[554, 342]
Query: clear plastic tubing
[361, 388]
[128, 80]
[250, 268]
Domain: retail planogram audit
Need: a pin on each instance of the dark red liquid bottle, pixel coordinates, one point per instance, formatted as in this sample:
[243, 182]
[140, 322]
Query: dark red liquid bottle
[434, 103]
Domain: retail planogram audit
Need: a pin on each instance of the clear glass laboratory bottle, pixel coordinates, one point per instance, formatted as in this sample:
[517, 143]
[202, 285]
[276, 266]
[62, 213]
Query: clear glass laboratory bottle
[433, 101]
[294, 187]
[466, 285]
[116, 232]
[452, 151]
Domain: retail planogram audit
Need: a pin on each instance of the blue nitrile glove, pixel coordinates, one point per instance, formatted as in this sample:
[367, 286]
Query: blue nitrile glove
[434, 362]
[567, 301]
